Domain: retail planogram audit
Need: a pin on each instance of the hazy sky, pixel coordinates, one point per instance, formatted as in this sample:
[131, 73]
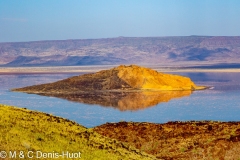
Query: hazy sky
[31, 20]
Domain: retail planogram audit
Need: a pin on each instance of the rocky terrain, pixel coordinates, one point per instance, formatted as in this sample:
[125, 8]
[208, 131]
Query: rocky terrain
[25, 130]
[123, 87]
[179, 140]
[165, 51]
[121, 78]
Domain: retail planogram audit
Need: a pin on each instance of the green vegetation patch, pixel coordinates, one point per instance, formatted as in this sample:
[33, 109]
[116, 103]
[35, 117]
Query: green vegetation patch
[25, 130]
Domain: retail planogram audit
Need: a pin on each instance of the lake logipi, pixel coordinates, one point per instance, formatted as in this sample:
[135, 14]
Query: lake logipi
[219, 103]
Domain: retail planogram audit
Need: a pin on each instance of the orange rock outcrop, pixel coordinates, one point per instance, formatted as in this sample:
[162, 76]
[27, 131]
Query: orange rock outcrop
[145, 78]
[121, 78]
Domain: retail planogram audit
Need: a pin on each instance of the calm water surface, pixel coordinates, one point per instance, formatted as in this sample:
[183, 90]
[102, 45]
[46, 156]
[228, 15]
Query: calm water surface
[220, 103]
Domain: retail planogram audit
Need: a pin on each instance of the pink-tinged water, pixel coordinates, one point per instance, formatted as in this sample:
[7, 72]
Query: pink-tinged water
[220, 103]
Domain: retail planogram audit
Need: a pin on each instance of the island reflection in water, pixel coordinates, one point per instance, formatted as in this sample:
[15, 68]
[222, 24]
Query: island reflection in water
[123, 101]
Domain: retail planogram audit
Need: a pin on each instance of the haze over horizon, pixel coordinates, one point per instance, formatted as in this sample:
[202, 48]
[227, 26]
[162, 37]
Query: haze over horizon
[22, 21]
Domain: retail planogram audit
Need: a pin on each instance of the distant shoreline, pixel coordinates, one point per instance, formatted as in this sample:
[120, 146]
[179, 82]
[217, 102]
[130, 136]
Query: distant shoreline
[202, 70]
[90, 69]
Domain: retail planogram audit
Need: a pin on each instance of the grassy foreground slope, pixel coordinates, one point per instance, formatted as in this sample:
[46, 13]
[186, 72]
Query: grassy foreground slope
[25, 130]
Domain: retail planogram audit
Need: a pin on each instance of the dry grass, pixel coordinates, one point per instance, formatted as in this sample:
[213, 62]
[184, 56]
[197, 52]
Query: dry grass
[24, 130]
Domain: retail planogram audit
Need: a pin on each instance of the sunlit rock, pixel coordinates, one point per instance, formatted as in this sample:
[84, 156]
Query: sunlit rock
[121, 78]
[123, 87]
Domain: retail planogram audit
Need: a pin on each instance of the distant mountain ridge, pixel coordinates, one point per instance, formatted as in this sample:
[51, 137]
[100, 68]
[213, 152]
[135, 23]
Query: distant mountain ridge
[123, 50]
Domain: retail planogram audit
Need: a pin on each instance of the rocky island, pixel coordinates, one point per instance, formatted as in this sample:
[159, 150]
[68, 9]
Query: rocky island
[121, 78]
[123, 87]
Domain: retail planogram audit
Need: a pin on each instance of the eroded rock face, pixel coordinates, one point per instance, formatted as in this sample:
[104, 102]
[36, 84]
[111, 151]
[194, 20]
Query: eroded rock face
[145, 78]
[121, 78]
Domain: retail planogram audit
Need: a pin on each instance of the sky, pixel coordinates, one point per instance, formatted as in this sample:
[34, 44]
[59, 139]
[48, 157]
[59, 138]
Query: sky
[34, 20]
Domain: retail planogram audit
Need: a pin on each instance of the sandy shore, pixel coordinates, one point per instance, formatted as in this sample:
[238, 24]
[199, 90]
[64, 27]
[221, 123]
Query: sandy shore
[84, 69]
[55, 69]
[198, 70]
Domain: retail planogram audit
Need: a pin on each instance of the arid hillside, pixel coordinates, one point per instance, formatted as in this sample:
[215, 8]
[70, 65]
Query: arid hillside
[167, 51]
[179, 140]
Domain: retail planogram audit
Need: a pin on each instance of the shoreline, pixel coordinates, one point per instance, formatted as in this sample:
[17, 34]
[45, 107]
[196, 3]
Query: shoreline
[89, 69]
[170, 140]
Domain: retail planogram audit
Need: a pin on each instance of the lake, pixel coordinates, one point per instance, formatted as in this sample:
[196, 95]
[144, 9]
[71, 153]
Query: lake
[220, 103]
